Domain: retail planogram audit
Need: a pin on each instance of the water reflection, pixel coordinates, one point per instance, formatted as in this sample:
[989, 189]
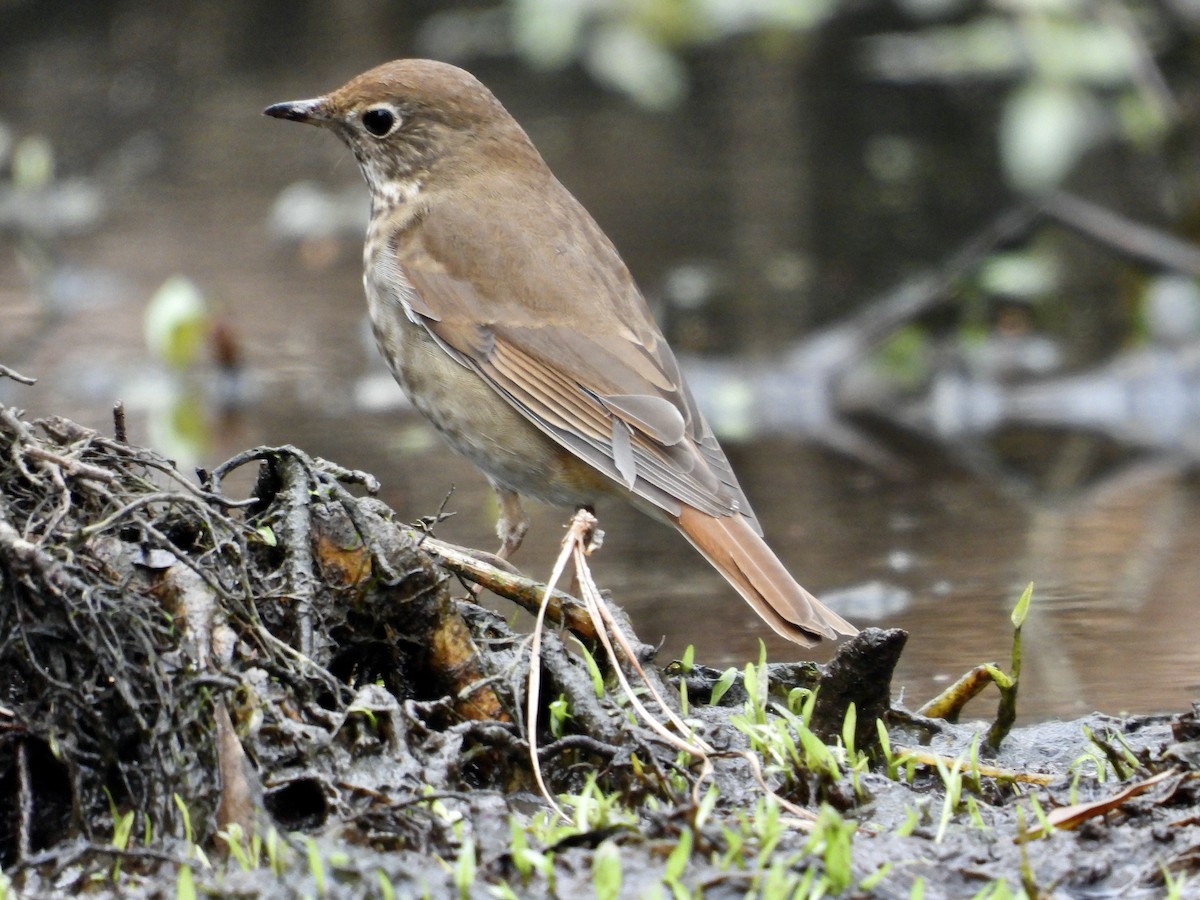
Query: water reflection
[1149, 398]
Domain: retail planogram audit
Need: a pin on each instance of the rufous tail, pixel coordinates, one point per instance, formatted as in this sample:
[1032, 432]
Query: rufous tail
[737, 552]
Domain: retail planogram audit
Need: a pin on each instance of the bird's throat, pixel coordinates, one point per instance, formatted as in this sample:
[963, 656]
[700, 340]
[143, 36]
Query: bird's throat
[388, 195]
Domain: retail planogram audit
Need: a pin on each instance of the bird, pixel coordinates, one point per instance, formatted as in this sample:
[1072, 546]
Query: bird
[513, 325]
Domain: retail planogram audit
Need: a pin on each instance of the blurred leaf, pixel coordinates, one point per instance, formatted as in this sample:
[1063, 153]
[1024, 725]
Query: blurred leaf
[32, 163]
[1045, 129]
[1141, 120]
[181, 430]
[1170, 310]
[629, 46]
[625, 58]
[905, 356]
[1073, 48]
[1066, 48]
[415, 438]
[7, 143]
[1021, 274]
[727, 17]
[548, 32]
[176, 322]
[989, 46]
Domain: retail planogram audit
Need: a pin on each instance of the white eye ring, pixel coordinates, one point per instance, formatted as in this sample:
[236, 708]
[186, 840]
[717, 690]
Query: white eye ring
[380, 121]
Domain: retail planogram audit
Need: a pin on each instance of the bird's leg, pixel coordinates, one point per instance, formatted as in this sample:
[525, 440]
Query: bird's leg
[512, 523]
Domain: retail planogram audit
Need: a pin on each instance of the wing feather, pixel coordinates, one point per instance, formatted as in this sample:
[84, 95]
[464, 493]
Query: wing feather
[589, 368]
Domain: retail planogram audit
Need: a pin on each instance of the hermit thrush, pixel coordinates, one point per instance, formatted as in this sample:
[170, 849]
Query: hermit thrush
[511, 322]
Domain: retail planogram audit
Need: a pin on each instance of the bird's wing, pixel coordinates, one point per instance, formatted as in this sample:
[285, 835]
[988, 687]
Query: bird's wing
[543, 308]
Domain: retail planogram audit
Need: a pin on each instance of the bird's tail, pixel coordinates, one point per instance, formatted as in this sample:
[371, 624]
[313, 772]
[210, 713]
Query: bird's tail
[738, 553]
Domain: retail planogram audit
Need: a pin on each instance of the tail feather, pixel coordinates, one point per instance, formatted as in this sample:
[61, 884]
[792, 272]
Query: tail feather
[738, 553]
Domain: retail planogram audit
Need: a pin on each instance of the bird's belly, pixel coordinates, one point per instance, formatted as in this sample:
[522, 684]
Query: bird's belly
[480, 424]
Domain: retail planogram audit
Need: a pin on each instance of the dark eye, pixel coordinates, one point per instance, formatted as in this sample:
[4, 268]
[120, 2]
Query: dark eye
[379, 122]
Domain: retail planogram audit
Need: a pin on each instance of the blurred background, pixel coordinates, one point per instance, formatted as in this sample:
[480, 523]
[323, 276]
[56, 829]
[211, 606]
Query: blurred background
[929, 265]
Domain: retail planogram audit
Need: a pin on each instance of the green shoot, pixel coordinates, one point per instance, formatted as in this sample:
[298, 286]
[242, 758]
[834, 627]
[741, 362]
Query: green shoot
[315, 865]
[606, 871]
[593, 669]
[1027, 880]
[706, 805]
[952, 782]
[849, 726]
[912, 818]
[1174, 885]
[464, 869]
[185, 886]
[1006, 715]
[677, 861]
[724, 683]
[386, 889]
[832, 837]
[185, 816]
[869, 883]
[560, 712]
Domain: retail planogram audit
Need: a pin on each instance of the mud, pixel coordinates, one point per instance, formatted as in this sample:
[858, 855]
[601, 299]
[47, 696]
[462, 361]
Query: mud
[289, 693]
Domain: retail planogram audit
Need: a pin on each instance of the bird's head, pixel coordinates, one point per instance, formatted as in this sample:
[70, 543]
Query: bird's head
[406, 118]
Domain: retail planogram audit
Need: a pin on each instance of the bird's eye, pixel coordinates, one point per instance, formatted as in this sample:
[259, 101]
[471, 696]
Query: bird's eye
[380, 121]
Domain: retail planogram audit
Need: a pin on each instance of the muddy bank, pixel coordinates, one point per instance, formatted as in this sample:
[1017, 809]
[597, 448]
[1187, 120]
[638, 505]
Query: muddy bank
[284, 691]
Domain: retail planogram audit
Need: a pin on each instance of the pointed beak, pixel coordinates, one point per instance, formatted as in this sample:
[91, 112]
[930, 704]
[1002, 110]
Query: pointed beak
[314, 112]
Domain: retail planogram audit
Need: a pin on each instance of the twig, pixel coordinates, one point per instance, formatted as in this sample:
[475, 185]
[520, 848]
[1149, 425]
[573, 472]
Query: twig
[80, 849]
[133, 505]
[24, 800]
[120, 432]
[296, 537]
[428, 523]
[926, 758]
[343, 475]
[29, 557]
[562, 609]
[583, 742]
[256, 454]
[65, 431]
[1140, 242]
[71, 466]
[1148, 75]
[6, 372]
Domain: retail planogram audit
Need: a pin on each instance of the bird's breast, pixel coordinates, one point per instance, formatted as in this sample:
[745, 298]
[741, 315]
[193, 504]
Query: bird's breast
[465, 409]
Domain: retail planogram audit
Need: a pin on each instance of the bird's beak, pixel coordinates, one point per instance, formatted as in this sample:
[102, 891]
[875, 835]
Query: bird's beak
[314, 112]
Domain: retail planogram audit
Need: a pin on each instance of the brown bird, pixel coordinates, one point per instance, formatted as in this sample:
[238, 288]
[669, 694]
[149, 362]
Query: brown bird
[512, 323]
